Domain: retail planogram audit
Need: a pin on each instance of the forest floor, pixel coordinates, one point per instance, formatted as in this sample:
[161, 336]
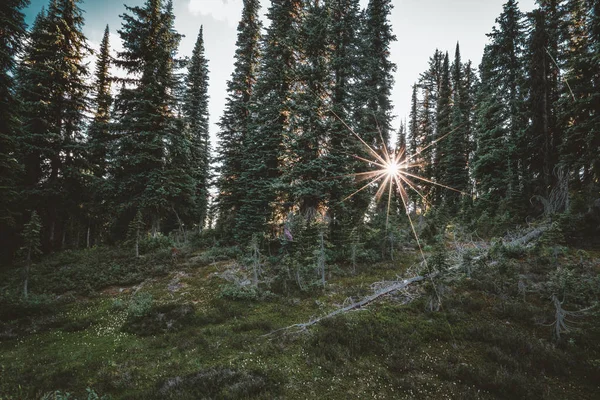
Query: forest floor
[99, 322]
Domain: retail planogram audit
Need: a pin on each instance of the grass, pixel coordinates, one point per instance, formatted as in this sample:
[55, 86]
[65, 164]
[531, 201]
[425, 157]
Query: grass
[487, 342]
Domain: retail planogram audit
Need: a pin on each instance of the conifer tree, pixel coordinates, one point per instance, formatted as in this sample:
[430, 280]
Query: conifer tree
[413, 142]
[52, 86]
[543, 137]
[235, 122]
[145, 111]
[442, 158]
[31, 245]
[430, 83]
[345, 213]
[502, 124]
[373, 112]
[303, 170]
[456, 144]
[99, 141]
[490, 162]
[578, 107]
[270, 105]
[10, 46]
[11, 39]
[99, 135]
[195, 110]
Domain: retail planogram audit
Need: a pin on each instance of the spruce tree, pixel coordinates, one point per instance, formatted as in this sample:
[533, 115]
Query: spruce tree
[145, 111]
[99, 135]
[413, 143]
[195, 110]
[99, 141]
[442, 157]
[11, 39]
[373, 112]
[490, 161]
[430, 83]
[343, 37]
[270, 106]
[31, 245]
[52, 86]
[235, 122]
[578, 107]
[497, 163]
[456, 174]
[304, 171]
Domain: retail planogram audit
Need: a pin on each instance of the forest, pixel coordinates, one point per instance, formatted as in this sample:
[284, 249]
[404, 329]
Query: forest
[321, 247]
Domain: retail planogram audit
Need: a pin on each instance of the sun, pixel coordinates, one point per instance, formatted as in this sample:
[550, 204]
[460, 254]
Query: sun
[392, 168]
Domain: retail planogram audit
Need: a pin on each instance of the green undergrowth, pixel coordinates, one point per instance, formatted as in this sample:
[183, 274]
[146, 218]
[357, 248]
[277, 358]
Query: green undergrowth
[177, 336]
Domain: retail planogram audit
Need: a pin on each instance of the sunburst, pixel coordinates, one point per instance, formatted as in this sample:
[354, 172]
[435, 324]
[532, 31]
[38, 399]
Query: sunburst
[394, 171]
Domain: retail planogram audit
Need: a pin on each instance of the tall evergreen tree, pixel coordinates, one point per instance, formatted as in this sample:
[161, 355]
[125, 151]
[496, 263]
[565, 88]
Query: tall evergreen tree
[195, 109]
[579, 107]
[52, 86]
[303, 170]
[442, 157]
[270, 105]
[497, 162]
[343, 38]
[99, 142]
[145, 111]
[430, 83]
[373, 113]
[99, 135]
[414, 139]
[11, 39]
[456, 174]
[235, 122]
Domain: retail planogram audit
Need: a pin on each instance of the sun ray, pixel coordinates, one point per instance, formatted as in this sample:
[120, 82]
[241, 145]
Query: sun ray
[432, 182]
[366, 186]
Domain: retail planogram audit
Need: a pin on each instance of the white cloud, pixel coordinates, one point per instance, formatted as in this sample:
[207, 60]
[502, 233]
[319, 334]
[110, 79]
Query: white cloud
[222, 10]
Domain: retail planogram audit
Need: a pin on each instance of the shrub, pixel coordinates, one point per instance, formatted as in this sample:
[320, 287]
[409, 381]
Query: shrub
[154, 243]
[220, 383]
[140, 304]
[161, 319]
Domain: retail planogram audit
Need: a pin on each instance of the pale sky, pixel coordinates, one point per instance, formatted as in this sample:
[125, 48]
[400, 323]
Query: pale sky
[420, 26]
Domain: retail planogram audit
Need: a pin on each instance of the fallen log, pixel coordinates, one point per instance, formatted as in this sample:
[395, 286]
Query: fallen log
[359, 304]
[534, 234]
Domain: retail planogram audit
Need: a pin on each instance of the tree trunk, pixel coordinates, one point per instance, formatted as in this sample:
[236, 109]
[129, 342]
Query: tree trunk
[27, 267]
[137, 243]
[87, 238]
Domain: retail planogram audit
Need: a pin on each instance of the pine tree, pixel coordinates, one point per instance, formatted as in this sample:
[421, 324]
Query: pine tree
[305, 164]
[373, 113]
[456, 174]
[346, 213]
[99, 135]
[578, 107]
[442, 158]
[430, 83]
[135, 231]
[195, 110]
[99, 141]
[490, 161]
[235, 122]
[52, 86]
[11, 170]
[497, 163]
[145, 111]
[31, 245]
[270, 106]
[14, 32]
[413, 124]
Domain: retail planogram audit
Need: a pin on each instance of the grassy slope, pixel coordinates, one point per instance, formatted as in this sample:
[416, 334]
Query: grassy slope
[489, 340]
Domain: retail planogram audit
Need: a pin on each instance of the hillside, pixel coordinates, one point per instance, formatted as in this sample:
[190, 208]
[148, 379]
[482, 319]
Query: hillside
[102, 324]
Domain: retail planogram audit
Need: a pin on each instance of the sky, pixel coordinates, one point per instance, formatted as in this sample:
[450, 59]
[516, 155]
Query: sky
[421, 27]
